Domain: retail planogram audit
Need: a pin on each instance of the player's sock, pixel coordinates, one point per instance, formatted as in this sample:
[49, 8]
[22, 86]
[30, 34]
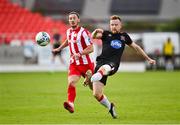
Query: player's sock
[97, 76]
[105, 102]
[71, 104]
[71, 93]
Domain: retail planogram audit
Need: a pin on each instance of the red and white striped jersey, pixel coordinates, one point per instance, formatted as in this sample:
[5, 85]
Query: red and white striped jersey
[78, 40]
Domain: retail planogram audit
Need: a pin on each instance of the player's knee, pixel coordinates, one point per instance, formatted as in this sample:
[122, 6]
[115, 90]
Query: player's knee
[97, 95]
[72, 83]
[73, 80]
[106, 68]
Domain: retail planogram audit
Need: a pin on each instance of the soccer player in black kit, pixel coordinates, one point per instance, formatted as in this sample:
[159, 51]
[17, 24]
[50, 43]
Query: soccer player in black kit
[108, 62]
[56, 44]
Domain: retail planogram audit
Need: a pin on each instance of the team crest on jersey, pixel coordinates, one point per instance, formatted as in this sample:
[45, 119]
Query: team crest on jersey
[75, 35]
[116, 44]
[110, 35]
[123, 38]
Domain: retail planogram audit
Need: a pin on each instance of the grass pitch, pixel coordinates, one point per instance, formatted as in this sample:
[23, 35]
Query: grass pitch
[150, 97]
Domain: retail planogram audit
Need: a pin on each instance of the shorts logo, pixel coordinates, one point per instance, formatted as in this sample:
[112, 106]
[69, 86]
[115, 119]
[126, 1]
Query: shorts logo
[116, 44]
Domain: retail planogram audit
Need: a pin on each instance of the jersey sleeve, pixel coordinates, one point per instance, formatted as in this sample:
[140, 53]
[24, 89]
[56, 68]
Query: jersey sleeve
[67, 34]
[87, 37]
[104, 34]
[127, 39]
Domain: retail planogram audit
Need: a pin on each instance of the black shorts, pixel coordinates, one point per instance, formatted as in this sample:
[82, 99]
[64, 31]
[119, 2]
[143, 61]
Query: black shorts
[114, 70]
[168, 57]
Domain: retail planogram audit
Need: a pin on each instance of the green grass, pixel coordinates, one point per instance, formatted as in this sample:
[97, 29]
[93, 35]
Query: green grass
[150, 97]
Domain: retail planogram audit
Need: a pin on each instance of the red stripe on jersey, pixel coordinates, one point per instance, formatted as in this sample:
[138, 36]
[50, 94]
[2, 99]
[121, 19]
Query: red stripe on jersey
[83, 41]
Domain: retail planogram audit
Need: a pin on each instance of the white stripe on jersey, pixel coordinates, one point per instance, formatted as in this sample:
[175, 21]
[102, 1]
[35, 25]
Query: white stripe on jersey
[86, 38]
[80, 48]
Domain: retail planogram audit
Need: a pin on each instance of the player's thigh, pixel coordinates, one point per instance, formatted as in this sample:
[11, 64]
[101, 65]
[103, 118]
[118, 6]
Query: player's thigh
[98, 88]
[84, 68]
[73, 79]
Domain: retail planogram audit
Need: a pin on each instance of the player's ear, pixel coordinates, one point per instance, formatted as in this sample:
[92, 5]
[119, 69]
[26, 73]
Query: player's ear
[78, 20]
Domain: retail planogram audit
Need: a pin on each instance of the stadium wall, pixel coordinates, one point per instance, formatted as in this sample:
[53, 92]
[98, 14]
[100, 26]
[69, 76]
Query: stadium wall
[124, 67]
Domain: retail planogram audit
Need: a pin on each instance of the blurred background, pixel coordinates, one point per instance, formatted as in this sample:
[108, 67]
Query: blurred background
[150, 24]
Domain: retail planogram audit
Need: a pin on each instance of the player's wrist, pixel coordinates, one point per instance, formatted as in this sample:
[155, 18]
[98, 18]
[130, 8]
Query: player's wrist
[79, 54]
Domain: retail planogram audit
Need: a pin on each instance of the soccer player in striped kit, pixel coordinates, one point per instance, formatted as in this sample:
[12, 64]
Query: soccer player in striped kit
[81, 64]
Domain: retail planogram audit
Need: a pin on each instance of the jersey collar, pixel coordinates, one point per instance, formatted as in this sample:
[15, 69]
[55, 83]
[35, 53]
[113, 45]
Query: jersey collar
[77, 29]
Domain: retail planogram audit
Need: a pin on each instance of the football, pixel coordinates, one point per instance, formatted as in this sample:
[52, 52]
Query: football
[42, 38]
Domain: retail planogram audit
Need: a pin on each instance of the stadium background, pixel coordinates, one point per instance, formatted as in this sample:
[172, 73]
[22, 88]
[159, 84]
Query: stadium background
[149, 22]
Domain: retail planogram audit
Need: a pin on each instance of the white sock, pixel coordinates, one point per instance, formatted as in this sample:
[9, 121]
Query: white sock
[72, 104]
[105, 102]
[96, 77]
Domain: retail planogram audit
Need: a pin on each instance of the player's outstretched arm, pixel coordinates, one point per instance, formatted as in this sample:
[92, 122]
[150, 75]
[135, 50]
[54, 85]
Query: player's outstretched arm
[97, 33]
[89, 49]
[138, 49]
[62, 46]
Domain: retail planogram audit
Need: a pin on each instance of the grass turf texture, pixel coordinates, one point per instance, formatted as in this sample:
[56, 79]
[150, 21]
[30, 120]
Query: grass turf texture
[150, 97]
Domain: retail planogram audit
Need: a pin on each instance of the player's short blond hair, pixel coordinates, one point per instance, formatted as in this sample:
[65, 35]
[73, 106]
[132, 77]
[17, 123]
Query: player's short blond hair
[115, 17]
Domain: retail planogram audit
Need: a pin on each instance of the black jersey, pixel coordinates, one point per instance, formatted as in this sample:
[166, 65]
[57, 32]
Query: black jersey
[113, 47]
[56, 40]
[56, 37]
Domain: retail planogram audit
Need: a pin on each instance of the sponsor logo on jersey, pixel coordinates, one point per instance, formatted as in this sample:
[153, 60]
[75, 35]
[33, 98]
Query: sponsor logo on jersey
[89, 40]
[123, 38]
[116, 44]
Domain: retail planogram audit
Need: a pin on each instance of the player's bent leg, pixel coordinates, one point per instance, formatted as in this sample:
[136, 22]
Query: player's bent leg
[103, 70]
[69, 105]
[98, 94]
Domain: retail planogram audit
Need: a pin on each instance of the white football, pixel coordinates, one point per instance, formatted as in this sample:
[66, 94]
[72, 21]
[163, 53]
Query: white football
[42, 38]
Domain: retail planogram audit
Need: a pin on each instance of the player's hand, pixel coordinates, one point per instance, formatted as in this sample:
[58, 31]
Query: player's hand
[152, 61]
[99, 30]
[97, 33]
[76, 56]
[56, 50]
